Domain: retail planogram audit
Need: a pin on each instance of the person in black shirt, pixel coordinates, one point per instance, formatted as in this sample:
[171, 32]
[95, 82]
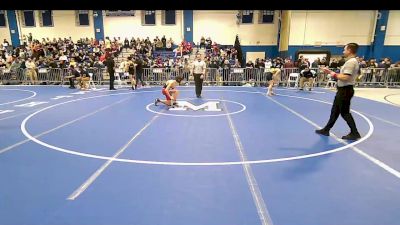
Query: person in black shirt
[126, 43]
[334, 64]
[139, 71]
[164, 41]
[73, 75]
[249, 64]
[307, 75]
[110, 64]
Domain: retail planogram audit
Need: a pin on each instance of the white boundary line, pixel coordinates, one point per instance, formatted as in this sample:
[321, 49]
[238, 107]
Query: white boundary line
[20, 100]
[359, 151]
[99, 171]
[251, 180]
[392, 103]
[62, 125]
[211, 115]
[382, 120]
[26, 133]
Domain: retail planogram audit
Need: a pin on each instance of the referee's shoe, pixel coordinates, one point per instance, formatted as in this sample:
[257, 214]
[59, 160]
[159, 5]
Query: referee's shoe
[350, 136]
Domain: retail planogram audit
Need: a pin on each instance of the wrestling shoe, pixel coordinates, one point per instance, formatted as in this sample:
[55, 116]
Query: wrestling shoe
[156, 101]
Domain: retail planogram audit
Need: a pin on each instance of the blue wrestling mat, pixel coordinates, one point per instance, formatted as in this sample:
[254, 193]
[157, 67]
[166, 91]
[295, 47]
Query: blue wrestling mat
[233, 157]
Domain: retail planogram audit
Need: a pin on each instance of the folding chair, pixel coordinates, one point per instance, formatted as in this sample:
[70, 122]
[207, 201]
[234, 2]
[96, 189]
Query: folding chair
[331, 83]
[293, 78]
[92, 86]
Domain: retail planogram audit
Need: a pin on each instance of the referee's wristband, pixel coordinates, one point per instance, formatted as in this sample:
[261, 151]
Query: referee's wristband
[334, 75]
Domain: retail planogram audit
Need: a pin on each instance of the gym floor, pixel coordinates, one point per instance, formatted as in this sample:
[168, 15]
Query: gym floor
[112, 157]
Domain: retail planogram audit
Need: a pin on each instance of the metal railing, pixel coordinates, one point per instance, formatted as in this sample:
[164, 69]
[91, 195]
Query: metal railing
[377, 77]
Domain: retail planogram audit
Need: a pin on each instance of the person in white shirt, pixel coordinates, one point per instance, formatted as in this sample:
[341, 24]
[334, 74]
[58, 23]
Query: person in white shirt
[169, 44]
[31, 70]
[198, 72]
[63, 57]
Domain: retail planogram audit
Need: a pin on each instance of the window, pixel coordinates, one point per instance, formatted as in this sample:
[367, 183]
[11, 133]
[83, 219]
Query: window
[247, 16]
[3, 18]
[28, 18]
[82, 17]
[168, 17]
[46, 18]
[266, 16]
[149, 17]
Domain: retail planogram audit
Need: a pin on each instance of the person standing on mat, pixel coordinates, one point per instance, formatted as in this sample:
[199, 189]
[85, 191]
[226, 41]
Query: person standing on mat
[345, 91]
[273, 77]
[198, 71]
[139, 72]
[110, 69]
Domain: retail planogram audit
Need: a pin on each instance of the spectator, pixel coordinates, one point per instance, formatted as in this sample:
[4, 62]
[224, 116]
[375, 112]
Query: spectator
[126, 43]
[334, 64]
[159, 45]
[110, 64]
[249, 64]
[169, 44]
[15, 65]
[74, 73]
[323, 62]
[164, 41]
[31, 70]
[315, 63]
[202, 42]
[288, 64]
[139, 72]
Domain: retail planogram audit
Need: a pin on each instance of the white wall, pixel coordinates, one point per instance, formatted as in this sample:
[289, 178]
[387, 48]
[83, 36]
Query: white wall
[5, 32]
[393, 28]
[64, 26]
[131, 26]
[331, 27]
[220, 26]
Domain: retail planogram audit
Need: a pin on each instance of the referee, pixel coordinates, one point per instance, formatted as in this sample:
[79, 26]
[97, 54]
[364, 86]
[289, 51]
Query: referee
[198, 71]
[345, 91]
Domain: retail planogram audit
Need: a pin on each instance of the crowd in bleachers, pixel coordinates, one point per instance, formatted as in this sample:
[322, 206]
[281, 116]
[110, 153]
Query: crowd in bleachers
[34, 54]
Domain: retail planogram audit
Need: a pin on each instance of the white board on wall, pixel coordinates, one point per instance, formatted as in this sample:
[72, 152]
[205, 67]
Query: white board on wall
[254, 55]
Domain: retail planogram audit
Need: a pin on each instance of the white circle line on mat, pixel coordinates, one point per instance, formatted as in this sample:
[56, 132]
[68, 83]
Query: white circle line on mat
[19, 100]
[228, 163]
